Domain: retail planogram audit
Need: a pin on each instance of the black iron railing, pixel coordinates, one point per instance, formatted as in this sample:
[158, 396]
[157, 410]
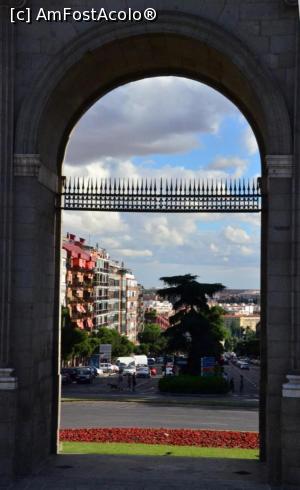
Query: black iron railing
[230, 196]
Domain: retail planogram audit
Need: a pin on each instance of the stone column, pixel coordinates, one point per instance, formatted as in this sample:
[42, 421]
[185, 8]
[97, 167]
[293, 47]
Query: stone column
[276, 265]
[35, 312]
[8, 381]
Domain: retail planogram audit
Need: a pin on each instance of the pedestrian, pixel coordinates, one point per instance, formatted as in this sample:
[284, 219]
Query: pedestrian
[133, 382]
[231, 384]
[129, 381]
[241, 383]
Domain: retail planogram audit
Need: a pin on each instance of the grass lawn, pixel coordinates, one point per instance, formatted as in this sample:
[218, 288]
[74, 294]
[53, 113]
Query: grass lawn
[156, 450]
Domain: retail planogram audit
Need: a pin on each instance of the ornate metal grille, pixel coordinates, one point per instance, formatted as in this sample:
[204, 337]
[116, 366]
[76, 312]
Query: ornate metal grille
[233, 196]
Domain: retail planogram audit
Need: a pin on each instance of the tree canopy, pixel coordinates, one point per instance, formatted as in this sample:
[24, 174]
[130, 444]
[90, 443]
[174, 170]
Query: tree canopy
[152, 340]
[195, 328]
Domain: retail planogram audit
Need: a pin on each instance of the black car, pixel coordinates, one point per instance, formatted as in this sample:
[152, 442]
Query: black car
[84, 375]
[94, 371]
[71, 372]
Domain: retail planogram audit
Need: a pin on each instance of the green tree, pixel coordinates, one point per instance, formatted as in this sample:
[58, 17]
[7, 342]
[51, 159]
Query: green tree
[153, 337]
[196, 329]
[121, 346]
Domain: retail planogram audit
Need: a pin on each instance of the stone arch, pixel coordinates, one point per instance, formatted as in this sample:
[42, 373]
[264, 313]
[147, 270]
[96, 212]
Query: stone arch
[93, 64]
[178, 44]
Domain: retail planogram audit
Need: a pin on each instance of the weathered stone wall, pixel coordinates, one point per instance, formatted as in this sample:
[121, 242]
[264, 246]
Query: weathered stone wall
[245, 48]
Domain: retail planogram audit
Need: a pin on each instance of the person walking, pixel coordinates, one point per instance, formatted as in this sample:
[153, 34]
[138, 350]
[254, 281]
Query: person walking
[241, 383]
[231, 384]
[133, 382]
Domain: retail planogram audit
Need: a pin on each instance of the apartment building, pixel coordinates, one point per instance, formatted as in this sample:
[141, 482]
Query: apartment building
[101, 286]
[80, 265]
[98, 291]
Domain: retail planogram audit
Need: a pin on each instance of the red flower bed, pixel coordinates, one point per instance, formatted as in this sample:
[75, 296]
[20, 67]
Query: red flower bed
[174, 437]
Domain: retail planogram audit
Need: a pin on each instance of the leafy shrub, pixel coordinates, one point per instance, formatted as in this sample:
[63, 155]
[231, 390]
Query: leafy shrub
[194, 384]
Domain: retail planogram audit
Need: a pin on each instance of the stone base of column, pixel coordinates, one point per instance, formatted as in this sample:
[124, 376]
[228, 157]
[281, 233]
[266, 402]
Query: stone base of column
[290, 417]
[292, 388]
[8, 401]
[7, 379]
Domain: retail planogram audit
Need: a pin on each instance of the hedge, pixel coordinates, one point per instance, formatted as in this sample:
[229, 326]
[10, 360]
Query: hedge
[194, 384]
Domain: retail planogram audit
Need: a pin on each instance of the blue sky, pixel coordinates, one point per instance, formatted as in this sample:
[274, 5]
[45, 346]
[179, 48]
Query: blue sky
[170, 127]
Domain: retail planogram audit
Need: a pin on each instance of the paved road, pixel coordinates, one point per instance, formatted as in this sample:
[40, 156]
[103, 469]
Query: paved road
[130, 414]
[149, 386]
[251, 379]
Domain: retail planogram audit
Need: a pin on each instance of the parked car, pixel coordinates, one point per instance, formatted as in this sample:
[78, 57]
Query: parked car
[169, 371]
[65, 378]
[151, 361]
[115, 368]
[71, 372]
[129, 370]
[143, 372]
[153, 371]
[122, 366]
[106, 367]
[84, 375]
[159, 360]
[95, 370]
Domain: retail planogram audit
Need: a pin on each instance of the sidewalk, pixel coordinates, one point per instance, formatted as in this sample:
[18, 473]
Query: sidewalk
[92, 472]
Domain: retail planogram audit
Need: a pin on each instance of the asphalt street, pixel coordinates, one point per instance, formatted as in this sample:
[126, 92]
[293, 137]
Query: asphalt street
[124, 414]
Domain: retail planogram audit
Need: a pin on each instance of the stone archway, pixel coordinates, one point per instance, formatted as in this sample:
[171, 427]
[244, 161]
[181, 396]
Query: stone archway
[95, 63]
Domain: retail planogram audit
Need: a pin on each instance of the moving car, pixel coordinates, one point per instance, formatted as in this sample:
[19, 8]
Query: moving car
[143, 372]
[243, 365]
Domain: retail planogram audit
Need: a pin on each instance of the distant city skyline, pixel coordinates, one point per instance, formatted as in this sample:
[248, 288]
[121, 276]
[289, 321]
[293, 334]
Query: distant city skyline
[169, 127]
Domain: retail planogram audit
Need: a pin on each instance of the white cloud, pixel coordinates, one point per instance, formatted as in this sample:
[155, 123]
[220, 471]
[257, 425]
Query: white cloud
[89, 222]
[246, 250]
[250, 141]
[236, 235]
[234, 166]
[127, 252]
[158, 115]
[214, 248]
[169, 232]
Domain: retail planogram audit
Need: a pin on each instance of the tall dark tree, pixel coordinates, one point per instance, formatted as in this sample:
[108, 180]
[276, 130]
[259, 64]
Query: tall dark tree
[196, 329]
